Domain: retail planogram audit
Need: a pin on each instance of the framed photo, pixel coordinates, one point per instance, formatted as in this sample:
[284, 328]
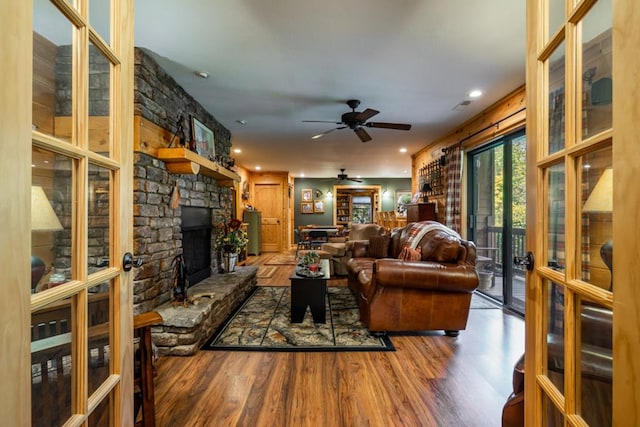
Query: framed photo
[203, 139]
[318, 206]
[403, 198]
[306, 207]
[307, 195]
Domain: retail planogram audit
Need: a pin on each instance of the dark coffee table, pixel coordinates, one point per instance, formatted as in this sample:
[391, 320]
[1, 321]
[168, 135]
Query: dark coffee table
[309, 292]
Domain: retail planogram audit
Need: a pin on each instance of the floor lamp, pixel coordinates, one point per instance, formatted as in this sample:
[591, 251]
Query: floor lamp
[43, 219]
[601, 201]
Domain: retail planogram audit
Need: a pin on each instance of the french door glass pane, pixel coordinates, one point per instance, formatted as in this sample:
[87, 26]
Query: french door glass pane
[99, 101]
[556, 119]
[101, 416]
[51, 219]
[554, 416]
[99, 327]
[596, 364]
[99, 18]
[518, 217]
[99, 218]
[52, 67]
[555, 334]
[596, 200]
[596, 69]
[556, 15]
[51, 364]
[555, 216]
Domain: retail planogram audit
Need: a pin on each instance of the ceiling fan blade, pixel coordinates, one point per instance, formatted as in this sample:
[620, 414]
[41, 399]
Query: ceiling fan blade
[366, 115]
[321, 121]
[320, 135]
[398, 126]
[362, 134]
[354, 179]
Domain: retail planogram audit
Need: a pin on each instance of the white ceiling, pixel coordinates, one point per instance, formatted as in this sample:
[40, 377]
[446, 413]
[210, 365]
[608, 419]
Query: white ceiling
[275, 63]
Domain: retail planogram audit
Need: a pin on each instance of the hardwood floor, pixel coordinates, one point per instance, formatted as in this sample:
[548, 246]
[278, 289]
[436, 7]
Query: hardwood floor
[430, 380]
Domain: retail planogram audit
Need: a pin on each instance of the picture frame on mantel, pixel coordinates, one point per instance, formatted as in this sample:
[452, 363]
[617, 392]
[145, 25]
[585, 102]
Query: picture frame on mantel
[203, 139]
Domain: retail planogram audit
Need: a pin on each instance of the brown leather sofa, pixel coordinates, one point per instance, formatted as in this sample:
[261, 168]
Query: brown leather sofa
[430, 294]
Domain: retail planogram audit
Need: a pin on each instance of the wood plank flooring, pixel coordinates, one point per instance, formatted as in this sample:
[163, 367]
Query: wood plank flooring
[430, 380]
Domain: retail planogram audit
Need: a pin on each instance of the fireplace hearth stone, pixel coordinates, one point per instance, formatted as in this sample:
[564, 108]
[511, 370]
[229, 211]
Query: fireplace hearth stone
[185, 329]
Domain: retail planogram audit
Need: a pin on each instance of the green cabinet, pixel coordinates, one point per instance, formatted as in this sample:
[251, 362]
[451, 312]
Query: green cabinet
[254, 231]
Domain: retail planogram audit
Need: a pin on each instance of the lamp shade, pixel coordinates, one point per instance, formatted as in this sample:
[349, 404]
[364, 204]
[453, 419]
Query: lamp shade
[425, 188]
[43, 218]
[601, 198]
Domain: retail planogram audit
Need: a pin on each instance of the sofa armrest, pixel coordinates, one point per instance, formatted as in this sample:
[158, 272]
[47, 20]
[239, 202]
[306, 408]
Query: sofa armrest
[397, 273]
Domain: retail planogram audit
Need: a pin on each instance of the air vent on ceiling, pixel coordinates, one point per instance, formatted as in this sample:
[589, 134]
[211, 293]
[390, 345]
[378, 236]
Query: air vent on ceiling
[461, 106]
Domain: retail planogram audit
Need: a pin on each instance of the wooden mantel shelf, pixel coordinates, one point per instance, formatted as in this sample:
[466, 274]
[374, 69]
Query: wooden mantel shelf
[182, 160]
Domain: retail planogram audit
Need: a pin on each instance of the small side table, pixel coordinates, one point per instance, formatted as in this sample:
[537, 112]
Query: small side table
[309, 292]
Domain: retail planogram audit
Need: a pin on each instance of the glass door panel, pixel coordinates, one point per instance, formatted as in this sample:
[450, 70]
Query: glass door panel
[497, 205]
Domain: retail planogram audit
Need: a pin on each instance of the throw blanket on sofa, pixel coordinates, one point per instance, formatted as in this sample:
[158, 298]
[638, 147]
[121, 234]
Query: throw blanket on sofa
[417, 230]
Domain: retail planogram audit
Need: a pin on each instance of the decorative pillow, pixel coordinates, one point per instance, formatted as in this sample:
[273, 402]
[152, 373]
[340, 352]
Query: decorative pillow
[379, 246]
[411, 254]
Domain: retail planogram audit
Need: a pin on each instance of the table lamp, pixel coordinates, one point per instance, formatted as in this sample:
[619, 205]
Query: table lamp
[43, 218]
[601, 201]
[426, 188]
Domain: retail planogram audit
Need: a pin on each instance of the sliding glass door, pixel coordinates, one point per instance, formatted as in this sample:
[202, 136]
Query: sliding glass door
[497, 216]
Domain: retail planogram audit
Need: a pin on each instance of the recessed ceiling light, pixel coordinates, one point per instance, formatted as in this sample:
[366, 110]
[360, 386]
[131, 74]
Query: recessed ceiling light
[476, 93]
[242, 122]
[258, 168]
[358, 176]
[237, 150]
[202, 74]
[301, 175]
[404, 171]
[403, 150]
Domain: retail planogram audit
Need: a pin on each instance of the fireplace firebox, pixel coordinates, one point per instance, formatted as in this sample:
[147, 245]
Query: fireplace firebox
[196, 242]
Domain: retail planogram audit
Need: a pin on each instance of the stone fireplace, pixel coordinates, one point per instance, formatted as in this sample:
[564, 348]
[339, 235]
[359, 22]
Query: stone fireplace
[160, 230]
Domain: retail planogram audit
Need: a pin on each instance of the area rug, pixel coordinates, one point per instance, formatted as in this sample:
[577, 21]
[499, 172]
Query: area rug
[265, 272]
[263, 323]
[281, 260]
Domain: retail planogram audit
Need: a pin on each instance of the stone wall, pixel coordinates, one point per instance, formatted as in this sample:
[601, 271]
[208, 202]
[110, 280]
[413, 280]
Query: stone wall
[157, 227]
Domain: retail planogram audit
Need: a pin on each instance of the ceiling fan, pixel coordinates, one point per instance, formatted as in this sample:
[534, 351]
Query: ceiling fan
[357, 121]
[344, 177]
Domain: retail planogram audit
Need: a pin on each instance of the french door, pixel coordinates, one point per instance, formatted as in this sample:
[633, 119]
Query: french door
[582, 305]
[497, 220]
[67, 111]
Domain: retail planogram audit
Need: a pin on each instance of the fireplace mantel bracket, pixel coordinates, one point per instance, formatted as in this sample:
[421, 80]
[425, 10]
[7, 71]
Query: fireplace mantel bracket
[184, 161]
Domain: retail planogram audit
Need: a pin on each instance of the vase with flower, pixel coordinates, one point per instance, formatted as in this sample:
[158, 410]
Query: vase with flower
[230, 240]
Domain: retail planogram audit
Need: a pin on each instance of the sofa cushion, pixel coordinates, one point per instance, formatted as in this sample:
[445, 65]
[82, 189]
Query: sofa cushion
[379, 246]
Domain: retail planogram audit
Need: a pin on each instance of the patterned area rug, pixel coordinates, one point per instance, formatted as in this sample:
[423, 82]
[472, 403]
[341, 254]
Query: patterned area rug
[263, 323]
[281, 260]
[265, 272]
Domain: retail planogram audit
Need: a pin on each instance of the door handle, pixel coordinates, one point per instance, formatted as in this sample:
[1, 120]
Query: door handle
[128, 262]
[527, 260]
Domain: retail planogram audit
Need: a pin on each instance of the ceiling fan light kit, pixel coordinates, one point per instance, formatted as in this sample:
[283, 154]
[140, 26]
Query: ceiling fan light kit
[357, 121]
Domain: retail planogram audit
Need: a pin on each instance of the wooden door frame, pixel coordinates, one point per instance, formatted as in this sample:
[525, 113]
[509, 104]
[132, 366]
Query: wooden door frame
[16, 50]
